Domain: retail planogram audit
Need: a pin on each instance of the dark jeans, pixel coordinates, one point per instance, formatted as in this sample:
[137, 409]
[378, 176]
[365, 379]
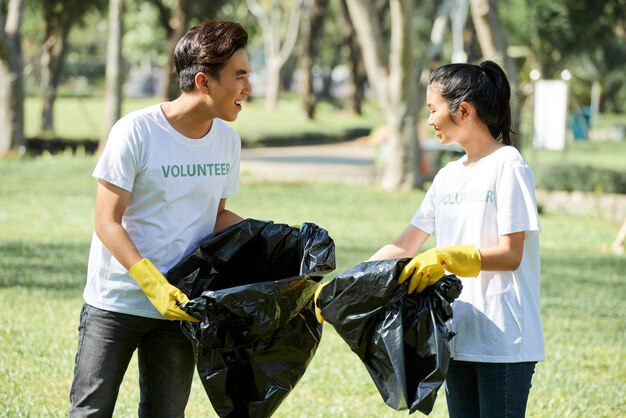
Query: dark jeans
[106, 343]
[488, 390]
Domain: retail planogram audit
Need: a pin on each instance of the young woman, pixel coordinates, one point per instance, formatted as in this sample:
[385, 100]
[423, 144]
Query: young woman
[482, 212]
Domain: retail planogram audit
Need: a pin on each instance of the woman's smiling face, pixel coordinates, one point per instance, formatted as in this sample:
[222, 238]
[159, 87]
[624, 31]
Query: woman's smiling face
[440, 117]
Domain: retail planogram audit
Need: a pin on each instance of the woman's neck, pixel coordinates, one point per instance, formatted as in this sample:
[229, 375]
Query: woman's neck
[479, 147]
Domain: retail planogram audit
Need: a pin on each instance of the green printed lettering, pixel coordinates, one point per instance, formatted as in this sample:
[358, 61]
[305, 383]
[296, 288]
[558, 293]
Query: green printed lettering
[195, 170]
[474, 196]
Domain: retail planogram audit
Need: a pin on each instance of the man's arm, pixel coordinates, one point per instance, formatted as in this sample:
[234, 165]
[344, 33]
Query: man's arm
[225, 218]
[111, 203]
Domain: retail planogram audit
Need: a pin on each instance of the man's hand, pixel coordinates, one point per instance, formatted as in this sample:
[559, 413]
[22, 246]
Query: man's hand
[161, 293]
[427, 268]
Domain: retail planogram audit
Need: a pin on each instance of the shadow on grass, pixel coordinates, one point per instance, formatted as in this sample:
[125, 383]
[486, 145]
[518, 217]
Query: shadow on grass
[305, 138]
[59, 266]
[582, 286]
[37, 146]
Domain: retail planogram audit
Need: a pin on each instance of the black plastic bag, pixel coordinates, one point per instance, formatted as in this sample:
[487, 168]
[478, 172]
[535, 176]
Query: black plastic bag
[252, 286]
[402, 339]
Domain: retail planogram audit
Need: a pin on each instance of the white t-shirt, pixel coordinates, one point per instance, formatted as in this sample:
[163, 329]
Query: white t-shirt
[496, 317]
[176, 184]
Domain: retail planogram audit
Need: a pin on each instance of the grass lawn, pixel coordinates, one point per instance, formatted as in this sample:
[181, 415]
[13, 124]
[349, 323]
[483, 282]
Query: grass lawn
[82, 118]
[46, 215]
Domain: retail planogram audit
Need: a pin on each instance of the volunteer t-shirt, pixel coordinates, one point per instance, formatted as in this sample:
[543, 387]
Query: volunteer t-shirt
[176, 184]
[496, 318]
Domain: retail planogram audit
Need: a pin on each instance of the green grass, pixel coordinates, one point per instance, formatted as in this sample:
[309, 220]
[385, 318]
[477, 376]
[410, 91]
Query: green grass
[82, 118]
[601, 154]
[46, 215]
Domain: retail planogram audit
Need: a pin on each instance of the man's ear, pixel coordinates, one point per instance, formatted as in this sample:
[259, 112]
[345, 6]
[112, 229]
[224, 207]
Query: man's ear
[202, 82]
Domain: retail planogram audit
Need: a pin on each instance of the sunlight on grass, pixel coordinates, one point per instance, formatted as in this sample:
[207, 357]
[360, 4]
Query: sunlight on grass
[46, 221]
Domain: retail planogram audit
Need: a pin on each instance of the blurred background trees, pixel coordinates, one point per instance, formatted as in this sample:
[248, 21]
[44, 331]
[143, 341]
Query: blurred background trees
[339, 51]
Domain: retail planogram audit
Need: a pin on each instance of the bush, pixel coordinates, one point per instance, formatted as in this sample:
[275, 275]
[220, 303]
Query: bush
[582, 178]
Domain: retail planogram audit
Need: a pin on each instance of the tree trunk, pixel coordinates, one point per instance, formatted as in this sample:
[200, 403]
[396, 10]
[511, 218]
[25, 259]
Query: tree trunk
[393, 76]
[272, 86]
[276, 51]
[53, 56]
[113, 100]
[11, 80]
[493, 45]
[310, 51]
[358, 75]
[176, 28]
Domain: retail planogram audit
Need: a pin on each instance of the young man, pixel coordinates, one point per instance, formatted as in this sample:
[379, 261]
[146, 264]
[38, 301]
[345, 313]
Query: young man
[163, 181]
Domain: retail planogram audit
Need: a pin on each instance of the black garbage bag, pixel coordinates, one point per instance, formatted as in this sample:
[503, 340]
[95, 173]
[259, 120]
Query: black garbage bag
[402, 339]
[252, 287]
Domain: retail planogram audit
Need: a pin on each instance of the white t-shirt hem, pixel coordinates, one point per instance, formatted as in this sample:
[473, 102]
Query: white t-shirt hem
[499, 359]
[125, 309]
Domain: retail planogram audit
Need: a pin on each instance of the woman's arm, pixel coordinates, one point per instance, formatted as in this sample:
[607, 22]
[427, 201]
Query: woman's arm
[507, 256]
[405, 245]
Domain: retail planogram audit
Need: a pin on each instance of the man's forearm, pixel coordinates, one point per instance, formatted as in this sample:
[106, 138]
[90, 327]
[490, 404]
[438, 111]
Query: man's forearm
[225, 219]
[119, 243]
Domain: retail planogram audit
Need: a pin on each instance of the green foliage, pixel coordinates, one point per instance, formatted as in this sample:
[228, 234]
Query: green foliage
[578, 35]
[46, 221]
[584, 178]
[602, 153]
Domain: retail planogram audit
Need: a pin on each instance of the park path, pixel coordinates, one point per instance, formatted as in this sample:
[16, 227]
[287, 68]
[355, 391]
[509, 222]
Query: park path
[350, 161]
[354, 162]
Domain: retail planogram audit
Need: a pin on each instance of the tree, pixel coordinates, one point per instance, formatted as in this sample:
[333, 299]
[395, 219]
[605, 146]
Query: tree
[175, 18]
[493, 45]
[358, 75]
[59, 18]
[315, 29]
[573, 31]
[586, 38]
[113, 99]
[391, 70]
[175, 22]
[272, 18]
[11, 81]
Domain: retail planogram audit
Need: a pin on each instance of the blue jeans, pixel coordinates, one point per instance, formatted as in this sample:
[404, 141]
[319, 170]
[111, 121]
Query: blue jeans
[106, 343]
[488, 390]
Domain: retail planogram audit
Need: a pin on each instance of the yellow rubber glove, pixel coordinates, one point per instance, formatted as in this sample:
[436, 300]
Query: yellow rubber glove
[161, 293]
[427, 268]
[318, 311]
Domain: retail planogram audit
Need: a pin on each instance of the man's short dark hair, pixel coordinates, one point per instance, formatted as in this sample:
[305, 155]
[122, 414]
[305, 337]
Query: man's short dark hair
[205, 48]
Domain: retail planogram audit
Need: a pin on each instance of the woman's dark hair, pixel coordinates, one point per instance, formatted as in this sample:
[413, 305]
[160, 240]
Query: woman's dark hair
[205, 48]
[485, 86]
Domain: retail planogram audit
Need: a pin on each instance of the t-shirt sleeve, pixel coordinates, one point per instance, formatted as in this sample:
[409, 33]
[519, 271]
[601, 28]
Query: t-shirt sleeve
[119, 162]
[517, 205]
[424, 217]
[232, 183]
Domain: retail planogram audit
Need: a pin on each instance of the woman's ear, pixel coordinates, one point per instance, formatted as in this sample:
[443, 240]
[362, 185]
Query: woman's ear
[465, 110]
